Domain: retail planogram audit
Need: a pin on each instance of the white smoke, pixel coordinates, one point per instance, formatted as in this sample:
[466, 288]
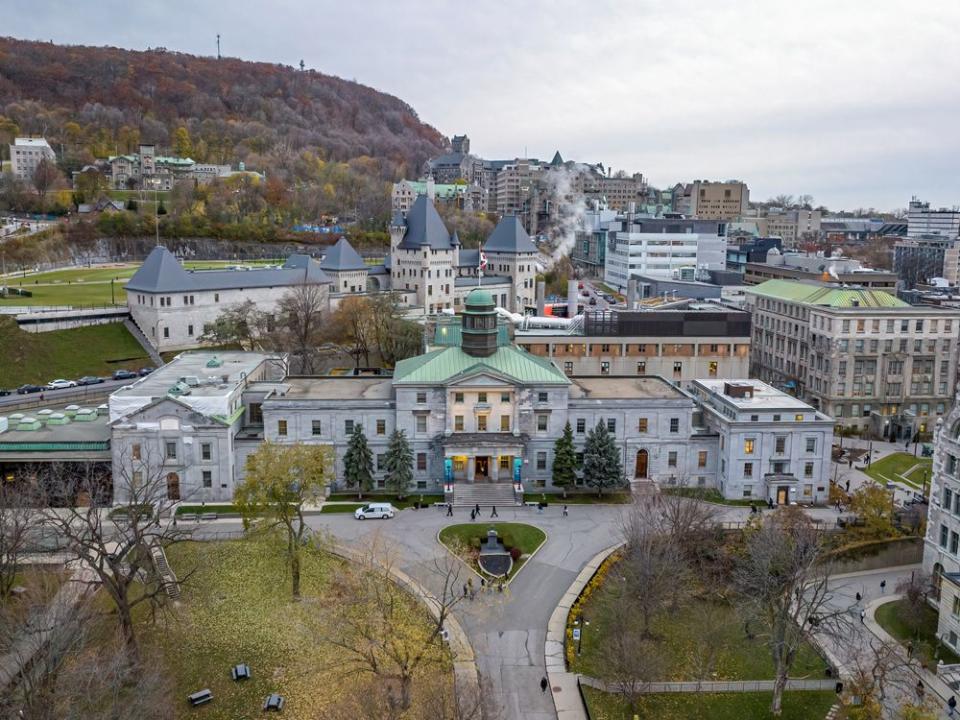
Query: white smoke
[570, 208]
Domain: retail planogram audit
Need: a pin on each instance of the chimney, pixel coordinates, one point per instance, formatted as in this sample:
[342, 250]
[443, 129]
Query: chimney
[632, 293]
[572, 297]
[738, 390]
[541, 292]
[431, 188]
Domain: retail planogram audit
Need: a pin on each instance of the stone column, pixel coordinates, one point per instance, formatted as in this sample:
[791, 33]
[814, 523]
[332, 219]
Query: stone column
[471, 468]
[495, 468]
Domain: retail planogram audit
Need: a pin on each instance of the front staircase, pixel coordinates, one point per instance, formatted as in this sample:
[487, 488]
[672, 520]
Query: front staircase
[483, 494]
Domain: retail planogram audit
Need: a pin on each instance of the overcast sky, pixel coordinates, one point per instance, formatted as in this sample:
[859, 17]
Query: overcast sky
[856, 102]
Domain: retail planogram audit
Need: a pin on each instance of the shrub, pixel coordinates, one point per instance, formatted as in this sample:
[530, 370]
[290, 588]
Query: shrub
[475, 543]
[507, 540]
[515, 553]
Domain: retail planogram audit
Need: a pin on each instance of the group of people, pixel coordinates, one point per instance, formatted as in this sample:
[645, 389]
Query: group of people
[470, 592]
[475, 510]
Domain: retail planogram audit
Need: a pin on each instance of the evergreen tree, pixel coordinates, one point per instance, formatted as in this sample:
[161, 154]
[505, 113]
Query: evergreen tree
[564, 460]
[358, 462]
[601, 460]
[399, 463]
[161, 210]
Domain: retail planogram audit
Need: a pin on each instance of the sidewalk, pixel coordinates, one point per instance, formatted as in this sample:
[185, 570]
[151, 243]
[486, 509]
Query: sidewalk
[714, 686]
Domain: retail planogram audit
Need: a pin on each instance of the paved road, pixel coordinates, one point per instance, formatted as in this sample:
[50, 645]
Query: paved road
[67, 395]
[507, 631]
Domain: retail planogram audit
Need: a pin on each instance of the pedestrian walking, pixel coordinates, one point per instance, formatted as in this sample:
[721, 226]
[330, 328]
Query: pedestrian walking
[449, 509]
[850, 465]
[859, 597]
[540, 508]
[951, 706]
[883, 586]
[910, 648]
[465, 590]
[477, 508]
[863, 617]
[493, 513]
[920, 689]
[848, 486]
[473, 514]
[544, 684]
[753, 508]
[470, 585]
[483, 584]
[566, 511]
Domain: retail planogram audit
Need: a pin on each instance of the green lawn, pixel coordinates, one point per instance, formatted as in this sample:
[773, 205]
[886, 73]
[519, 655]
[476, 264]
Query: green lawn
[236, 608]
[894, 466]
[890, 616]
[220, 508]
[812, 705]
[525, 537]
[41, 357]
[590, 498]
[408, 500]
[344, 508]
[76, 295]
[682, 632]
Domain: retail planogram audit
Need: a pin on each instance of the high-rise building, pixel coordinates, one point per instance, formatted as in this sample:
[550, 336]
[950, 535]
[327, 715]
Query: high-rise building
[864, 357]
[708, 200]
[924, 222]
[26, 154]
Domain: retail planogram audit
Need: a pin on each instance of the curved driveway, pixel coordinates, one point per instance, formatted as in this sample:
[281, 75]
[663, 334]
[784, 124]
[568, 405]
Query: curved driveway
[507, 631]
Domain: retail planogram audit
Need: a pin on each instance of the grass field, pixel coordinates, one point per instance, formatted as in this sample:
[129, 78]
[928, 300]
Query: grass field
[890, 616]
[688, 636]
[895, 466]
[237, 609]
[42, 357]
[709, 706]
[711, 495]
[91, 286]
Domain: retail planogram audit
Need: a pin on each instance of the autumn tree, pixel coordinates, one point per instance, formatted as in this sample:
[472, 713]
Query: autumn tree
[395, 337]
[399, 461]
[280, 481]
[352, 329]
[873, 505]
[182, 145]
[90, 186]
[781, 581]
[358, 462]
[564, 460]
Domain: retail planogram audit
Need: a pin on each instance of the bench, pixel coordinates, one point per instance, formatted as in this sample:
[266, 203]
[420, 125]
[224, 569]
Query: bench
[240, 672]
[187, 517]
[273, 702]
[208, 516]
[200, 697]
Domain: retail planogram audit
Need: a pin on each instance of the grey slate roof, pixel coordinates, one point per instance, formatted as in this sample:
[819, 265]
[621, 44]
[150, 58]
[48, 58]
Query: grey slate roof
[425, 227]
[469, 258]
[342, 257]
[162, 272]
[509, 237]
[557, 159]
[485, 280]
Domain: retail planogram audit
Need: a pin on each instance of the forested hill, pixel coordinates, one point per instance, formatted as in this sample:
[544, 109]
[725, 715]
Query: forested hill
[100, 101]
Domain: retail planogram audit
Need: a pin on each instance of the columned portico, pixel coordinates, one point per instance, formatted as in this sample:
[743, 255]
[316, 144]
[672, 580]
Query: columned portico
[483, 457]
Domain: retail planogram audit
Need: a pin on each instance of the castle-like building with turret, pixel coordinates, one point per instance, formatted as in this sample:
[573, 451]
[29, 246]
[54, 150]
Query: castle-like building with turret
[426, 268]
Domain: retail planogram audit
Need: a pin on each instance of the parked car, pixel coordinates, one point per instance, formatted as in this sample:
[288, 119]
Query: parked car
[5, 392]
[593, 301]
[146, 371]
[24, 389]
[61, 384]
[90, 380]
[375, 510]
[124, 375]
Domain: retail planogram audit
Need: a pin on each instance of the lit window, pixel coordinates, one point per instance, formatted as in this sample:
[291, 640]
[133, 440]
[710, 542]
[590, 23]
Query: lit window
[281, 427]
[748, 446]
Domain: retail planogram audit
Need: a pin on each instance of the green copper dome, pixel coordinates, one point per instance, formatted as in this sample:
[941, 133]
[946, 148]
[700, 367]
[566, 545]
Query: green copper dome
[479, 298]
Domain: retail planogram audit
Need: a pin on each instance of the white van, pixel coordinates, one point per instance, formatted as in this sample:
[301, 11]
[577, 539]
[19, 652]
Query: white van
[375, 510]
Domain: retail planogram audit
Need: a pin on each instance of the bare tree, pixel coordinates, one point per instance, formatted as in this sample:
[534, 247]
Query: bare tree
[383, 631]
[46, 177]
[119, 549]
[880, 667]
[351, 329]
[17, 521]
[781, 581]
[302, 312]
[653, 567]
[915, 590]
